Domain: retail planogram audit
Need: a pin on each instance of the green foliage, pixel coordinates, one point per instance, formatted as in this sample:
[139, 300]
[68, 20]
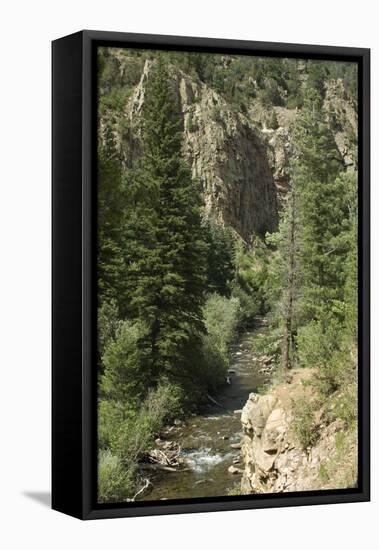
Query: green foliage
[268, 342]
[220, 256]
[126, 433]
[273, 122]
[221, 320]
[221, 317]
[117, 76]
[136, 435]
[346, 405]
[110, 210]
[115, 483]
[111, 414]
[250, 279]
[236, 490]
[320, 345]
[107, 324]
[174, 287]
[166, 249]
[340, 469]
[304, 423]
[249, 305]
[126, 366]
[317, 75]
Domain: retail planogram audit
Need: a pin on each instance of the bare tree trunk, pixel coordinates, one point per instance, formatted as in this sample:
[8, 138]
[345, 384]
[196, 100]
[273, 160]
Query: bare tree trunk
[290, 295]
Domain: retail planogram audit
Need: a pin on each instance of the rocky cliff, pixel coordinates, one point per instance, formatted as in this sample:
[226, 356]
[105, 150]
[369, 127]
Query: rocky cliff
[240, 155]
[342, 116]
[223, 147]
[274, 459]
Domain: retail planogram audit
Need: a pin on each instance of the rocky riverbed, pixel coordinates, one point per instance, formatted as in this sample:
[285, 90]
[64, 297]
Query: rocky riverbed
[209, 443]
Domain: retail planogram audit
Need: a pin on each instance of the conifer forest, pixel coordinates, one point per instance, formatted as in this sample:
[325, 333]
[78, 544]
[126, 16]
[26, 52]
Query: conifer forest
[227, 274]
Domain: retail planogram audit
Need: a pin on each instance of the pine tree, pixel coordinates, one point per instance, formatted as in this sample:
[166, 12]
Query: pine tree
[110, 208]
[220, 257]
[289, 252]
[166, 250]
[322, 211]
[284, 276]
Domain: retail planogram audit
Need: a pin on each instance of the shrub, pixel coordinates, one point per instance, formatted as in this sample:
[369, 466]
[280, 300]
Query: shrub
[115, 483]
[107, 324]
[124, 377]
[126, 434]
[273, 122]
[310, 343]
[221, 317]
[317, 346]
[304, 423]
[249, 306]
[111, 415]
[215, 364]
[345, 405]
[136, 434]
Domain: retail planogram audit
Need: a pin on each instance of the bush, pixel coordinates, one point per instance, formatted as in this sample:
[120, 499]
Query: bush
[273, 122]
[125, 377]
[269, 342]
[107, 324]
[115, 483]
[126, 434]
[310, 344]
[136, 435]
[249, 307]
[215, 364]
[304, 423]
[111, 414]
[221, 317]
[250, 280]
[345, 405]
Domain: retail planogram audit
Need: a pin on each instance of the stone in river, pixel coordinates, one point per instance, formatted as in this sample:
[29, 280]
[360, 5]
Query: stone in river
[233, 470]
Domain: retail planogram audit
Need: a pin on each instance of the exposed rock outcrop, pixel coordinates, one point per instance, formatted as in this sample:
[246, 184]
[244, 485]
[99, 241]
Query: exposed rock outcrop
[273, 457]
[224, 150]
[343, 119]
[341, 114]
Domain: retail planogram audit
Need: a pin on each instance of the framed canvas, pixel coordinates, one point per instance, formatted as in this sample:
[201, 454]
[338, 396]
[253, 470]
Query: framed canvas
[210, 275]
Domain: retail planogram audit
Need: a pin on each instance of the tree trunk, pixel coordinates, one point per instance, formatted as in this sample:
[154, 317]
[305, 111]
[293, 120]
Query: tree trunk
[289, 298]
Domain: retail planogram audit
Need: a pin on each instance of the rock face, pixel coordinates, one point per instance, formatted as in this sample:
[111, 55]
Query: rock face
[341, 114]
[343, 119]
[224, 150]
[273, 458]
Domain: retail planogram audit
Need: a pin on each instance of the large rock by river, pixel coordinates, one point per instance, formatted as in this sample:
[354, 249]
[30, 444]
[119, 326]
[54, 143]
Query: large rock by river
[274, 461]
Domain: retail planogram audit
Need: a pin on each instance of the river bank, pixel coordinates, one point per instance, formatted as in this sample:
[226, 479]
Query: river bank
[209, 442]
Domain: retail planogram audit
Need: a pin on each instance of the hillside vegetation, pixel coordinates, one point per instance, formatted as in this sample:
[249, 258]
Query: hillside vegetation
[227, 190]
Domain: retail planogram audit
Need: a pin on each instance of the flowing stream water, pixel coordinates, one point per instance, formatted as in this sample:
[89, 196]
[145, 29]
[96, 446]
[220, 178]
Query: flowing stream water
[205, 439]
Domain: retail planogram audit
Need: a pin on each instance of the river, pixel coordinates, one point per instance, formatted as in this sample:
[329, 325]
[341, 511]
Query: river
[205, 439]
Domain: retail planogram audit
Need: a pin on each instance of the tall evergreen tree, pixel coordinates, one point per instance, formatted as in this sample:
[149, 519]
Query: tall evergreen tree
[220, 257]
[284, 276]
[322, 211]
[166, 250]
[110, 209]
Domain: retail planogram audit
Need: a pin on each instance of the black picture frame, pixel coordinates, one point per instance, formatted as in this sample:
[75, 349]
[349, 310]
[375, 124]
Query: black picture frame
[73, 272]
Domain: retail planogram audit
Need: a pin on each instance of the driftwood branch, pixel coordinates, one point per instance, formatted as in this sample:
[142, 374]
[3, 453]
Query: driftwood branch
[145, 486]
[218, 404]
